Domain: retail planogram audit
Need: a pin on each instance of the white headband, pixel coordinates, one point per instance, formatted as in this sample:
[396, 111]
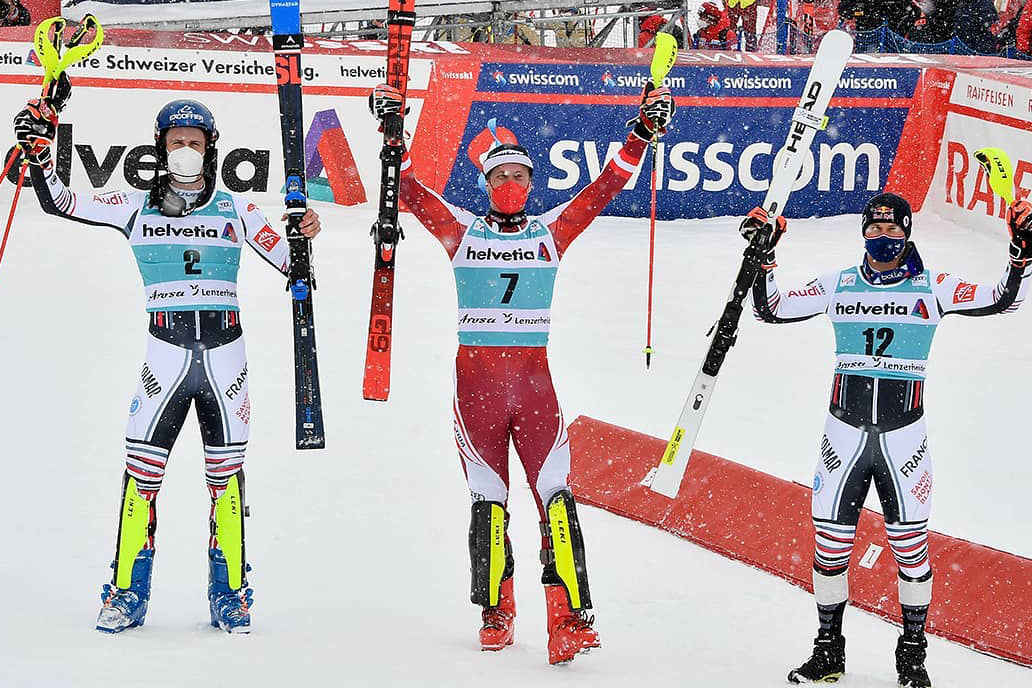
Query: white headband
[494, 158]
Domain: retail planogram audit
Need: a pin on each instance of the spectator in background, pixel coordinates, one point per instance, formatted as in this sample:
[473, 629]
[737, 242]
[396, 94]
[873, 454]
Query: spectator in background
[868, 15]
[864, 15]
[972, 23]
[650, 26]
[13, 13]
[744, 10]
[569, 27]
[969, 20]
[1023, 35]
[715, 32]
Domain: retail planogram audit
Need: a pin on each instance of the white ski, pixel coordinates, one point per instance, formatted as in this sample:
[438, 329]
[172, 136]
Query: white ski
[809, 117]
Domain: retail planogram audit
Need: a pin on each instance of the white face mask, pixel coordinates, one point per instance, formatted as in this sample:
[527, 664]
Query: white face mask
[185, 164]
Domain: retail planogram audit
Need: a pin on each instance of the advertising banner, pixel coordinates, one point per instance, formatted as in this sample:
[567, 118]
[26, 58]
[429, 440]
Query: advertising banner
[983, 110]
[570, 107]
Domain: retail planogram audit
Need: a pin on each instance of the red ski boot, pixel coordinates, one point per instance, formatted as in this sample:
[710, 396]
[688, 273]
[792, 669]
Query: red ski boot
[569, 632]
[499, 621]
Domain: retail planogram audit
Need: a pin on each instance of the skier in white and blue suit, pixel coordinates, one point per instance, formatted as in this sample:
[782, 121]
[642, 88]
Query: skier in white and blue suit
[884, 311]
[187, 237]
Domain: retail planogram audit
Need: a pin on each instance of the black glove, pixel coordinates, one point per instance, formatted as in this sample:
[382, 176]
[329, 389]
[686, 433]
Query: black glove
[59, 92]
[385, 100]
[1019, 222]
[655, 112]
[35, 128]
[756, 220]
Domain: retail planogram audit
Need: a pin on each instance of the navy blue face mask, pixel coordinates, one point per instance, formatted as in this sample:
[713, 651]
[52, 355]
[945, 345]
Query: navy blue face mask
[885, 248]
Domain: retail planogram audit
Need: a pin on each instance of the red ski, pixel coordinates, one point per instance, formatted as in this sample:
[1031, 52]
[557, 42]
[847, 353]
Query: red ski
[386, 232]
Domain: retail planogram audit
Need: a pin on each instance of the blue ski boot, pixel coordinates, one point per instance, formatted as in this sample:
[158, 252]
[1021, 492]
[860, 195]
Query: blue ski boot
[230, 609]
[126, 607]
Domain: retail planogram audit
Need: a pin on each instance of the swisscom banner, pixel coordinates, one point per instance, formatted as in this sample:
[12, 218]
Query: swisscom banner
[717, 156]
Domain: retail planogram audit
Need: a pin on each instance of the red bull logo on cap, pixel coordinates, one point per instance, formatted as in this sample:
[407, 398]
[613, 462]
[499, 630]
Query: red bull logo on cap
[883, 212]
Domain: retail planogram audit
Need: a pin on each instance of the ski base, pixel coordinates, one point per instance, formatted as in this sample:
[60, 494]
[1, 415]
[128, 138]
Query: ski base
[376, 384]
[670, 472]
[309, 432]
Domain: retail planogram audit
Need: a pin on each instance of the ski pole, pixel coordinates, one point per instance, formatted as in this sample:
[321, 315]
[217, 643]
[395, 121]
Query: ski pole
[652, 257]
[14, 204]
[663, 57]
[10, 162]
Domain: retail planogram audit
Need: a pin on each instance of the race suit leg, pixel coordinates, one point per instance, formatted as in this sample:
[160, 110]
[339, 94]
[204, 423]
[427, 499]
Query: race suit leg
[481, 426]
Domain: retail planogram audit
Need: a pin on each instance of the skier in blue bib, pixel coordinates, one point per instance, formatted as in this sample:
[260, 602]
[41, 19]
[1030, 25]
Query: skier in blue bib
[187, 237]
[884, 311]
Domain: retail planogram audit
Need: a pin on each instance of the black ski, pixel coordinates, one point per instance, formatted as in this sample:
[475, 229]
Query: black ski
[286, 43]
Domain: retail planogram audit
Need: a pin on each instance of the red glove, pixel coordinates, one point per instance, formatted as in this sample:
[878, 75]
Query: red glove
[756, 219]
[385, 100]
[35, 128]
[655, 112]
[1019, 222]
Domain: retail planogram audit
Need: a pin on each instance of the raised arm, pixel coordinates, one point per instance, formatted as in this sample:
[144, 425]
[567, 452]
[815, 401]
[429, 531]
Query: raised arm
[445, 221]
[955, 295]
[35, 127]
[769, 304]
[570, 219]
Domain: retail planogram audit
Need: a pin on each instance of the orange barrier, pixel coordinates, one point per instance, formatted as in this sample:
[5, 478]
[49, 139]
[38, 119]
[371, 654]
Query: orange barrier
[982, 597]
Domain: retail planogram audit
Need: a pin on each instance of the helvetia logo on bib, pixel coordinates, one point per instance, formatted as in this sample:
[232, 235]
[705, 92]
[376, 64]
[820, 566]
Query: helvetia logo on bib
[229, 234]
[920, 310]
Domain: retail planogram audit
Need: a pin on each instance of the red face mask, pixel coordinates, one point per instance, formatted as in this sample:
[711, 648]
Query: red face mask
[509, 198]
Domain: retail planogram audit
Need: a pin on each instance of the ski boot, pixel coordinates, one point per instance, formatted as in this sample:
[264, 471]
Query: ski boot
[569, 632]
[230, 609]
[126, 607]
[499, 621]
[910, 659]
[826, 664]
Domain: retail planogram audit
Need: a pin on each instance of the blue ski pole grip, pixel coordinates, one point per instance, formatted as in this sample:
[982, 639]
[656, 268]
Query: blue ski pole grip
[299, 290]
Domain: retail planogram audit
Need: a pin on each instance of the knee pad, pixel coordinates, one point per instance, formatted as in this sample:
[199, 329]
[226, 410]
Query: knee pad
[830, 590]
[915, 592]
[490, 554]
[137, 523]
[227, 528]
[565, 559]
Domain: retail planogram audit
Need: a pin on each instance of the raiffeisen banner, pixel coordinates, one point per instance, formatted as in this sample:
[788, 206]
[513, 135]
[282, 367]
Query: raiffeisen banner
[570, 107]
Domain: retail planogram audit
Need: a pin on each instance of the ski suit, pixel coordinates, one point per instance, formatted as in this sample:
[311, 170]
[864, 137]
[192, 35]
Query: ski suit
[195, 346]
[505, 280]
[875, 428]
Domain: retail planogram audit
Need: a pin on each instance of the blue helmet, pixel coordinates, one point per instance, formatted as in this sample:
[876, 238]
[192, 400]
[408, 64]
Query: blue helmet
[185, 113]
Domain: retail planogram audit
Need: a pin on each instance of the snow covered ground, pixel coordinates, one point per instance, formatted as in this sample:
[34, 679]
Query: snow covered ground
[359, 551]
